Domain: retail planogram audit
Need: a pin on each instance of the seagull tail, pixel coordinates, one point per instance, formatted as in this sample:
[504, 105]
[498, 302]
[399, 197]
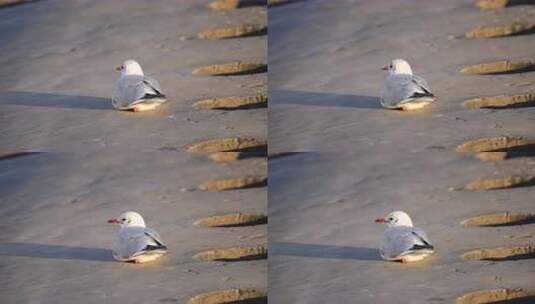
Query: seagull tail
[420, 95]
[422, 247]
[153, 96]
[155, 247]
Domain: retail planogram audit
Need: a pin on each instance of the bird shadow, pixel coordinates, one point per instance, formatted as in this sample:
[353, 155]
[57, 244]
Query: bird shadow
[58, 252]
[324, 99]
[324, 251]
[49, 100]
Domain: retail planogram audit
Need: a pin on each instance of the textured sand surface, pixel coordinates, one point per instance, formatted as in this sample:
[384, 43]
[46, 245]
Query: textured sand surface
[362, 161]
[57, 61]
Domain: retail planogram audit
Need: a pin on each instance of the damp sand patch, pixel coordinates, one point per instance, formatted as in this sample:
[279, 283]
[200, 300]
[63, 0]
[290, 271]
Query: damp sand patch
[501, 295]
[235, 295]
[493, 144]
[224, 157]
[233, 254]
[499, 219]
[511, 29]
[501, 101]
[500, 183]
[231, 69]
[234, 4]
[500, 67]
[232, 103]
[234, 183]
[232, 220]
[492, 156]
[501, 253]
[242, 30]
[498, 148]
[232, 144]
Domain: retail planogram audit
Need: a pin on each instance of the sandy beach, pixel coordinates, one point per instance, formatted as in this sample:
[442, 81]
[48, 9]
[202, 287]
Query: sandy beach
[359, 161]
[92, 162]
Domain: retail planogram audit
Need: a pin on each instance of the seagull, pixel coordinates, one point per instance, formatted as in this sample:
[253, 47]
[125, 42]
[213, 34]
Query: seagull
[403, 90]
[135, 91]
[134, 242]
[401, 241]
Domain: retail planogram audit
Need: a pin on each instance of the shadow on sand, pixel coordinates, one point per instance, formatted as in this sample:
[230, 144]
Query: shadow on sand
[324, 251]
[35, 99]
[55, 252]
[301, 98]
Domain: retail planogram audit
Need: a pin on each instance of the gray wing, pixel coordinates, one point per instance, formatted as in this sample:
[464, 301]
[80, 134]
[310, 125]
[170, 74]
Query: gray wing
[399, 240]
[155, 237]
[132, 89]
[421, 236]
[421, 84]
[400, 87]
[152, 86]
[128, 90]
[133, 241]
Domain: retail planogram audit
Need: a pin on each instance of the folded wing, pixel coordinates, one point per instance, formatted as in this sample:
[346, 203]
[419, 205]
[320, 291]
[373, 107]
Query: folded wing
[398, 241]
[132, 89]
[134, 241]
[399, 88]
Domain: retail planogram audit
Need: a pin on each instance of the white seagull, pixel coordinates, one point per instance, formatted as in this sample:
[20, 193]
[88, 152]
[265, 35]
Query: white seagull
[135, 91]
[401, 241]
[403, 90]
[134, 242]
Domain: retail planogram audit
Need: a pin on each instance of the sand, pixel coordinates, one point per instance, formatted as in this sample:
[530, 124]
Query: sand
[359, 162]
[57, 61]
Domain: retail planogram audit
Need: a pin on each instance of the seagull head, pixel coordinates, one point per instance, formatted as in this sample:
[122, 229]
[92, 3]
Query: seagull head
[398, 66]
[129, 219]
[130, 67]
[396, 218]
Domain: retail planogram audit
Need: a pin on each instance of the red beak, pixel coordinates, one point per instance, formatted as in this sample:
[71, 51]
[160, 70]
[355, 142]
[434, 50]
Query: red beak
[380, 220]
[385, 68]
[114, 221]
